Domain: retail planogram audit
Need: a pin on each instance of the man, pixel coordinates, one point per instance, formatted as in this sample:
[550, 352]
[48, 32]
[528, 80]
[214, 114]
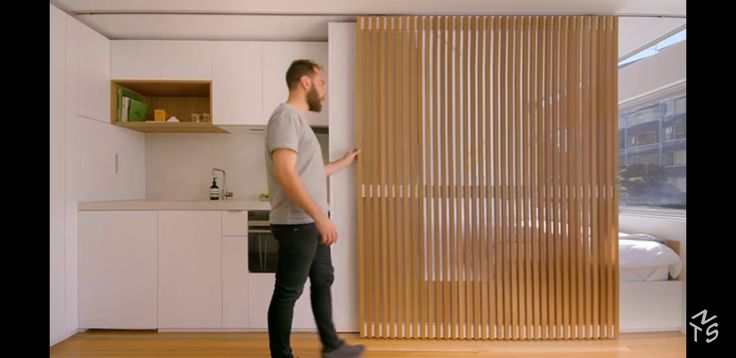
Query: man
[297, 180]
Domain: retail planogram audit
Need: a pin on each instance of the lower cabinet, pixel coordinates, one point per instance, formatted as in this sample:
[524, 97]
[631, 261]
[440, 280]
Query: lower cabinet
[117, 269]
[190, 269]
[173, 270]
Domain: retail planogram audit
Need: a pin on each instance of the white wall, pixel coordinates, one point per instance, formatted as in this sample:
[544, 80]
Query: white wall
[57, 281]
[82, 166]
[343, 191]
[179, 166]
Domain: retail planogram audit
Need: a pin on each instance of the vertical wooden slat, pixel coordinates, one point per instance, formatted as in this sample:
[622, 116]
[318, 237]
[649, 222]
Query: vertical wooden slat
[415, 232]
[596, 199]
[463, 280]
[407, 256]
[404, 255]
[544, 238]
[489, 269]
[576, 209]
[371, 207]
[479, 320]
[514, 187]
[497, 121]
[368, 159]
[398, 125]
[443, 195]
[431, 126]
[359, 179]
[572, 102]
[383, 328]
[605, 321]
[533, 146]
[527, 167]
[390, 178]
[457, 303]
[564, 177]
[606, 292]
[556, 183]
[375, 218]
[602, 192]
[612, 90]
[504, 170]
[430, 94]
[586, 136]
[529, 173]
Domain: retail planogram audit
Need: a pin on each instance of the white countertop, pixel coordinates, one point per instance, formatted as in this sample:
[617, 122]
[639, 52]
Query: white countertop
[155, 205]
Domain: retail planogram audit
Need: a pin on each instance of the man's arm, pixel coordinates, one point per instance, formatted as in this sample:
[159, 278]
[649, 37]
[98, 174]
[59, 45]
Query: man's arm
[284, 167]
[345, 161]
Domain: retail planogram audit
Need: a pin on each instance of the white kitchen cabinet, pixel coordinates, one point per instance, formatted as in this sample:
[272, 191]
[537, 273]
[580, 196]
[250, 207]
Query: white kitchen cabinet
[236, 83]
[234, 269]
[186, 60]
[234, 282]
[277, 56]
[161, 60]
[190, 269]
[117, 269]
[135, 59]
[94, 73]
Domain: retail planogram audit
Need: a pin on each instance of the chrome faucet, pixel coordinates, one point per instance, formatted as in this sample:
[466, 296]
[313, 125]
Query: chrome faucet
[224, 194]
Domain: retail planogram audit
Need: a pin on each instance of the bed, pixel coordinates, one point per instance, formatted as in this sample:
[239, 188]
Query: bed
[644, 257]
[652, 289]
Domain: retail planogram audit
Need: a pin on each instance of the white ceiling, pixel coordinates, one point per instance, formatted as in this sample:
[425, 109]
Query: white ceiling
[642, 21]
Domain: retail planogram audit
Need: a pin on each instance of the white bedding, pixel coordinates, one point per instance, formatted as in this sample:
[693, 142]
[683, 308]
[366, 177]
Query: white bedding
[644, 258]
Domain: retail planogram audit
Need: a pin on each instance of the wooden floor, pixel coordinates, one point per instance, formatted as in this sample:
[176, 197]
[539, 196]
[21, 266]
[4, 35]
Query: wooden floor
[306, 345]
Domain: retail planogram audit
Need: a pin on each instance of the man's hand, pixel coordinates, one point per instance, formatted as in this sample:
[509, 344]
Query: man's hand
[343, 162]
[351, 156]
[327, 230]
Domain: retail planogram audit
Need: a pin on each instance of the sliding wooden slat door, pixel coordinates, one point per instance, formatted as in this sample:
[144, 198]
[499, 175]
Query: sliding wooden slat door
[487, 201]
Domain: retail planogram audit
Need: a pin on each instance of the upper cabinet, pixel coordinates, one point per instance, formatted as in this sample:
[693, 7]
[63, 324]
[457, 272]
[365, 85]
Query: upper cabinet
[236, 83]
[93, 66]
[248, 77]
[161, 60]
[135, 60]
[277, 56]
[186, 60]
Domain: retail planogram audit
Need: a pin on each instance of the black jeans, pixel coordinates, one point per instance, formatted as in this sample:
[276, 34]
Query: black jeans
[301, 255]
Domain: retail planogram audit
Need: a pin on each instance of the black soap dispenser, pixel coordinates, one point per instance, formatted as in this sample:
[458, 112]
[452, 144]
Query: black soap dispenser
[214, 190]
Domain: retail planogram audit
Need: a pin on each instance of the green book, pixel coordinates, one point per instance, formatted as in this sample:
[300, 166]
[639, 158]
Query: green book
[127, 93]
[137, 111]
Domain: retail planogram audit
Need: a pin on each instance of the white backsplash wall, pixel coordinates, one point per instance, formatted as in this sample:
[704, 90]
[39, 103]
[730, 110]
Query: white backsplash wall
[179, 166]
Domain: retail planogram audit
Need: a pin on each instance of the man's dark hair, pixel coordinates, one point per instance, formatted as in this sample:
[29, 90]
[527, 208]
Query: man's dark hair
[298, 69]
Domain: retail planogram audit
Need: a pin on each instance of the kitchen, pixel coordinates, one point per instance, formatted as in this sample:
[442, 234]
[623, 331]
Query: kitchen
[142, 245]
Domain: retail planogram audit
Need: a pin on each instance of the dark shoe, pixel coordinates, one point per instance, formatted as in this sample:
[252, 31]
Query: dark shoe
[345, 351]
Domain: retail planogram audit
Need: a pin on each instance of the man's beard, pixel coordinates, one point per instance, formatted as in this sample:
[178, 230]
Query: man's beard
[315, 105]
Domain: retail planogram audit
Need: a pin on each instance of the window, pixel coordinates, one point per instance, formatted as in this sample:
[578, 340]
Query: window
[644, 159]
[675, 159]
[673, 132]
[653, 156]
[644, 115]
[643, 138]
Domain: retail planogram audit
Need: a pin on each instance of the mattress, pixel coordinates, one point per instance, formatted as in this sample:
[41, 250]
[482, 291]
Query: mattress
[644, 258]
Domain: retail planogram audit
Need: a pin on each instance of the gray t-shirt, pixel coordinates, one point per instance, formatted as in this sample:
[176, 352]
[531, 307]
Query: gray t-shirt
[287, 129]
